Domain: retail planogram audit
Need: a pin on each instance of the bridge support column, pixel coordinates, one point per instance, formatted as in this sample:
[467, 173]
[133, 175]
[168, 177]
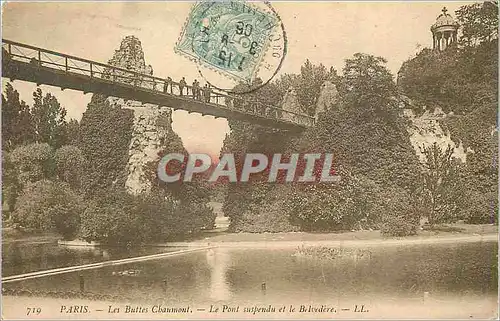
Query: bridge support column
[291, 104]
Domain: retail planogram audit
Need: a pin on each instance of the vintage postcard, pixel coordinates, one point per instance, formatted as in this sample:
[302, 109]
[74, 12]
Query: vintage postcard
[249, 160]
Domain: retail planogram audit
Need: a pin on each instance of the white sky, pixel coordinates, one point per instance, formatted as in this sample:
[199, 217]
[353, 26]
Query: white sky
[326, 32]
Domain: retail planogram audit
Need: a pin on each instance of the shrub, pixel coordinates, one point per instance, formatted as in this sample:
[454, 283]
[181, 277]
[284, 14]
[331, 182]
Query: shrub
[397, 226]
[127, 220]
[266, 212]
[33, 162]
[119, 218]
[69, 165]
[10, 186]
[104, 138]
[331, 253]
[480, 208]
[49, 206]
[401, 215]
[350, 204]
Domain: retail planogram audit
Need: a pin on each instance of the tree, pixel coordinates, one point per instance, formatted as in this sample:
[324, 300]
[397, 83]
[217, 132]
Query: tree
[72, 132]
[307, 84]
[310, 81]
[10, 185]
[350, 204]
[104, 139]
[191, 210]
[17, 122]
[367, 79]
[479, 22]
[110, 219]
[33, 162]
[69, 163]
[442, 187]
[366, 131]
[118, 218]
[366, 134]
[49, 119]
[49, 206]
[400, 213]
[463, 82]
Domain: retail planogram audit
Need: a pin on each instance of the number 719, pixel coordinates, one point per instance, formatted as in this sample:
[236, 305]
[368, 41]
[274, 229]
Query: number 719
[33, 311]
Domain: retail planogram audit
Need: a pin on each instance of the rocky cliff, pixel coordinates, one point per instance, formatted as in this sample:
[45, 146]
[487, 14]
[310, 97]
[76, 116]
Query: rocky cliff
[327, 98]
[425, 130]
[152, 123]
[291, 103]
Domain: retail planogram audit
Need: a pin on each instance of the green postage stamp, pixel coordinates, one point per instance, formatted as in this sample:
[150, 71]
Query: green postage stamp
[230, 37]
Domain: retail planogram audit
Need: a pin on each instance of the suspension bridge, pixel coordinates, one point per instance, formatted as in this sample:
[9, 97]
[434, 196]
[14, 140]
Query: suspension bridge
[41, 66]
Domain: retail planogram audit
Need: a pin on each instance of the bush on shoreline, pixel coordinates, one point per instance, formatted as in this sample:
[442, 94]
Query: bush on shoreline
[49, 206]
[122, 219]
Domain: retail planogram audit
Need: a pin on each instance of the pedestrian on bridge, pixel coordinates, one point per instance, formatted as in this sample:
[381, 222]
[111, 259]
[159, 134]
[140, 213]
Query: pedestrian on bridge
[196, 89]
[5, 54]
[206, 93]
[182, 84]
[228, 101]
[168, 82]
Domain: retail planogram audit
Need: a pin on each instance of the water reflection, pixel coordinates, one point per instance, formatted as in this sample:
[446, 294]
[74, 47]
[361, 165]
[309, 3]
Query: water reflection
[218, 260]
[19, 257]
[445, 272]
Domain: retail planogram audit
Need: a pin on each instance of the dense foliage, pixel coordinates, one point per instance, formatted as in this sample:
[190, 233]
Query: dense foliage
[49, 206]
[368, 138]
[384, 185]
[79, 190]
[350, 204]
[463, 82]
[17, 123]
[122, 219]
[307, 84]
[69, 163]
[104, 139]
[443, 189]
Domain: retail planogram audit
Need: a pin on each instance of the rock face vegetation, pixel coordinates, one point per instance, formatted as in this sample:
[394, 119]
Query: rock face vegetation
[96, 179]
[421, 147]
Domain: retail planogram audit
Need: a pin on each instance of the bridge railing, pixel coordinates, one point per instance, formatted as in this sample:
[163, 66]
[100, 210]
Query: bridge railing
[44, 58]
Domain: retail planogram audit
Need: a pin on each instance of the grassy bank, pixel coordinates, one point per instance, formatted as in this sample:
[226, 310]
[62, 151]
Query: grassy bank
[441, 231]
[220, 235]
[10, 234]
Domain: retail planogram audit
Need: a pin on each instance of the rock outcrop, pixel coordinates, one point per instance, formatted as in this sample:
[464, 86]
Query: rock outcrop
[291, 103]
[152, 123]
[328, 97]
[425, 130]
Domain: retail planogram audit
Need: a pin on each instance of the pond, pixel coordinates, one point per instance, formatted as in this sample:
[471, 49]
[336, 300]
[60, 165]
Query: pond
[455, 278]
[20, 257]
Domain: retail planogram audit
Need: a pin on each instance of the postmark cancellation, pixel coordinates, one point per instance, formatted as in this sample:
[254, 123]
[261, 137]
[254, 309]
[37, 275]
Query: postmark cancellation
[230, 37]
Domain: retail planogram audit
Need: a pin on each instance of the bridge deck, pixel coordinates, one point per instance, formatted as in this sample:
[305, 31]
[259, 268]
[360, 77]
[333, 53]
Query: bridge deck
[42, 66]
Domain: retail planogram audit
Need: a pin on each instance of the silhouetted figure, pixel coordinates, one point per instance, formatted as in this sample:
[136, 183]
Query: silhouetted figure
[229, 101]
[137, 79]
[182, 84]
[206, 93]
[196, 89]
[5, 54]
[168, 82]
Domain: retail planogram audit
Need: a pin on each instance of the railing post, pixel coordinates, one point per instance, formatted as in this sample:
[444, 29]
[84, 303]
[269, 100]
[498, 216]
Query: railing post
[66, 63]
[39, 58]
[91, 72]
[9, 46]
